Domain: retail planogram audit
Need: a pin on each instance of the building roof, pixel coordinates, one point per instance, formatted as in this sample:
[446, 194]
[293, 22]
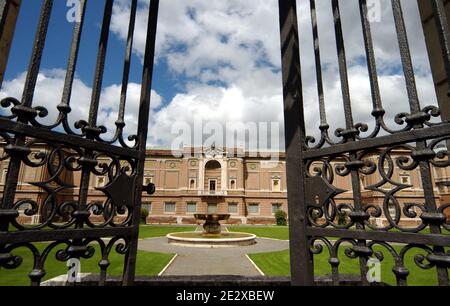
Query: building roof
[214, 152]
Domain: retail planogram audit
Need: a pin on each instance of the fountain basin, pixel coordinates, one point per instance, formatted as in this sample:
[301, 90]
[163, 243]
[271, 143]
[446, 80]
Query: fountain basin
[198, 239]
[212, 225]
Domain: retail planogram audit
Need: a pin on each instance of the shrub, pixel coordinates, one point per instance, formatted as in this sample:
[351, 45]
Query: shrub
[144, 215]
[342, 218]
[281, 217]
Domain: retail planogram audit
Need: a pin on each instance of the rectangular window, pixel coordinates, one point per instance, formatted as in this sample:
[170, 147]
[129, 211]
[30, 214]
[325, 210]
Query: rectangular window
[4, 174]
[212, 208]
[232, 208]
[413, 208]
[170, 207]
[392, 210]
[191, 208]
[363, 181]
[212, 186]
[253, 208]
[276, 207]
[387, 186]
[24, 207]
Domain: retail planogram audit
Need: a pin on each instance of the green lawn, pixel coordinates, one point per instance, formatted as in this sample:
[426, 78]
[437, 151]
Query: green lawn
[152, 231]
[278, 264]
[282, 232]
[147, 264]
[274, 232]
[272, 264]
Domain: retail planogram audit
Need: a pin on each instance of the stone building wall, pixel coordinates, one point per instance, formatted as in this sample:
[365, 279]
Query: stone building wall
[248, 193]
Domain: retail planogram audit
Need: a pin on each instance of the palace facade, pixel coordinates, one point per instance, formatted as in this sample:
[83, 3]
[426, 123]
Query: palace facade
[249, 186]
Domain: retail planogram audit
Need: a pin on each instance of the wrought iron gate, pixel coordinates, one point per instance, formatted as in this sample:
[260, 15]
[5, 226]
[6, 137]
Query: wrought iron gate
[313, 165]
[68, 224]
[311, 168]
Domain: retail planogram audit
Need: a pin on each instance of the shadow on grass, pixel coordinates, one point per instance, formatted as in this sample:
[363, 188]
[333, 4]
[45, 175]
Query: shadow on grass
[148, 264]
[278, 264]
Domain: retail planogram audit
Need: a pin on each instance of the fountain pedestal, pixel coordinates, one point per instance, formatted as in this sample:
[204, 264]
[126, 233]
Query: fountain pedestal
[212, 225]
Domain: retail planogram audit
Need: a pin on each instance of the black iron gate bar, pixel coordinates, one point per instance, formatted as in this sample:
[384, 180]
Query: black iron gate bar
[441, 21]
[6, 17]
[306, 183]
[74, 151]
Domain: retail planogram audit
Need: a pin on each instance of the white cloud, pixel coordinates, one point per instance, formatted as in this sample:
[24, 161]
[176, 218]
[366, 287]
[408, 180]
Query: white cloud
[49, 92]
[227, 54]
[227, 106]
[227, 41]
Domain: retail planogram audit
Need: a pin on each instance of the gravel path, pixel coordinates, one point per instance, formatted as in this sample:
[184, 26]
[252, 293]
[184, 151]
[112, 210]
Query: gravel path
[212, 261]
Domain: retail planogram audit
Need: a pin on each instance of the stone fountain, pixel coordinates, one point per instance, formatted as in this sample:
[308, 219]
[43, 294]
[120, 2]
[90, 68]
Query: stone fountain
[212, 225]
[212, 236]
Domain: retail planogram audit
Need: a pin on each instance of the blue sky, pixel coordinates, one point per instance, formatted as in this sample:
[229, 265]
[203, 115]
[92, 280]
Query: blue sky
[218, 62]
[58, 42]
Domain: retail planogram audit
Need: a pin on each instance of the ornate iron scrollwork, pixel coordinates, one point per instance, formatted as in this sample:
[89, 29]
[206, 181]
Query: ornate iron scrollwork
[72, 162]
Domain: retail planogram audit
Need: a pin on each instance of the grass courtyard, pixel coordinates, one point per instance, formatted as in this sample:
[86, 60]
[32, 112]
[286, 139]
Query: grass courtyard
[278, 263]
[272, 264]
[153, 231]
[148, 263]
[282, 232]
[273, 232]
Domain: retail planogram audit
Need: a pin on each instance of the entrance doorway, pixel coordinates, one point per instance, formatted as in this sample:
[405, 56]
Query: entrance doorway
[212, 186]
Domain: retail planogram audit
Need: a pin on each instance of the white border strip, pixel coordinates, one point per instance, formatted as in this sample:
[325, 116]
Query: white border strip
[173, 237]
[256, 267]
[168, 265]
[274, 239]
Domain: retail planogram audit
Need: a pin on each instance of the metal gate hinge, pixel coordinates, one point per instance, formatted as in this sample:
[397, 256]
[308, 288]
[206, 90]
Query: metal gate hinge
[121, 190]
[319, 191]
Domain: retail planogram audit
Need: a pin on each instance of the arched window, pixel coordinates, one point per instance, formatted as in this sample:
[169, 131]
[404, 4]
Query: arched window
[276, 184]
[192, 183]
[213, 165]
[232, 184]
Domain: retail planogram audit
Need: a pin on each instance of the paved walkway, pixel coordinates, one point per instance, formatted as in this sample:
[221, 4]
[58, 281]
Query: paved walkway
[212, 261]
